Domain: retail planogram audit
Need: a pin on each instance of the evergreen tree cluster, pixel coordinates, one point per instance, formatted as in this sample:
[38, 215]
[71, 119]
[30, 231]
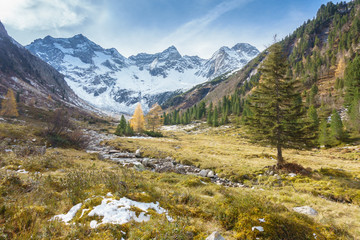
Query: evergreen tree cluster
[124, 128]
[214, 115]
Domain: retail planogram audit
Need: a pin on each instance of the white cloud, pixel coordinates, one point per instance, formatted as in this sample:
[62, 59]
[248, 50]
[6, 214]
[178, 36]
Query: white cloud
[44, 14]
[195, 27]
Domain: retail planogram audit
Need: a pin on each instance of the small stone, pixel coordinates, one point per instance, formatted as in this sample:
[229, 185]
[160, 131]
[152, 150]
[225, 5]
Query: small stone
[306, 210]
[210, 174]
[292, 174]
[204, 173]
[215, 236]
[138, 153]
[34, 140]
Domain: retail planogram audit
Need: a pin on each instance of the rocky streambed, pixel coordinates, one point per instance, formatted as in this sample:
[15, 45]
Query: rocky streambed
[140, 163]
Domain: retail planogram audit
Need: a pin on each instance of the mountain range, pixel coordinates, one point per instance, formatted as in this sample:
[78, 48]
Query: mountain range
[109, 81]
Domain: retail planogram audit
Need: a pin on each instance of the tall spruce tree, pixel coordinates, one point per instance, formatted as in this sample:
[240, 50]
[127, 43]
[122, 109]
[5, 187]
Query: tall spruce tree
[336, 126]
[121, 128]
[276, 112]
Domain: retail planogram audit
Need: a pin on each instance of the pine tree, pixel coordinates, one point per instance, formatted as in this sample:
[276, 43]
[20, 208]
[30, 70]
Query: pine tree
[210, 114]
[153, 119]
[354, 114]
[215, 121]
[336, 126]
[313, 123]
[121, 128]
[352, 80]
[137, 121]
[276, 111]
[9, 106]
[323, 134]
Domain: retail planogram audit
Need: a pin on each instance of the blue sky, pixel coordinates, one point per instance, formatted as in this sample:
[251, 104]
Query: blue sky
[195, 27]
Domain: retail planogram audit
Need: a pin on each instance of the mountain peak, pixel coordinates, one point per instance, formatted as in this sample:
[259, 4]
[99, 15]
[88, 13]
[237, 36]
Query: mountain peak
[171, 52]
[3, 31]
[80, 36]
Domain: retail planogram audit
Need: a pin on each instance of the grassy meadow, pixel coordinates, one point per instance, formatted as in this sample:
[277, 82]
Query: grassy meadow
[62, 178]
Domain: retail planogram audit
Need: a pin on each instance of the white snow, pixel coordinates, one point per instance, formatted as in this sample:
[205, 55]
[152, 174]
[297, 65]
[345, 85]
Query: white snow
[115, 211]
[22, 171]
[93, 224]
[292, 174]
[133, 76]
[259, 228]
[70, 215]
[119, 211]
[262, 220]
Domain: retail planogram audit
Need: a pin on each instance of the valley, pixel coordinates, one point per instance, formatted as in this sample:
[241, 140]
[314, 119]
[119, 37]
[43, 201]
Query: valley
[38, 187]
[237, 145]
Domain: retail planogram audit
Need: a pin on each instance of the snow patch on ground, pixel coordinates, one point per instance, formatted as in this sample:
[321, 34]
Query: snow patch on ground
[260, 229]
[119, 211]
[115, 211]
[70, 215]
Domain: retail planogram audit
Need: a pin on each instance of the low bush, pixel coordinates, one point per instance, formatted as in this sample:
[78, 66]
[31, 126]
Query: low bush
[153, 134]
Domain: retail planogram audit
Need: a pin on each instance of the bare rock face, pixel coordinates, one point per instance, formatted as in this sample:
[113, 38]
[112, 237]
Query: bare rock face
[306, 210]
[215, 236]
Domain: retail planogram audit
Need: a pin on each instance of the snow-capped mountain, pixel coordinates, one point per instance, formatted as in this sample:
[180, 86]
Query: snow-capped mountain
[112, 82]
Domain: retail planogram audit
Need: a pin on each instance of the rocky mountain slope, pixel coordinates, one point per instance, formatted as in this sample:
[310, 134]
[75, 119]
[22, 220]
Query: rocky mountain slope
[112, 82]
[35, 82]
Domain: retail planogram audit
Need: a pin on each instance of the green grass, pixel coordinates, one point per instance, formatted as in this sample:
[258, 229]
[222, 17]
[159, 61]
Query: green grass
[64, 177]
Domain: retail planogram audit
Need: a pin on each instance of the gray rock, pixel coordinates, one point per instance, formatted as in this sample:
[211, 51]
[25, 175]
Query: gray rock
[139, 167]
[165, 167]
[204, 172]
[147, 162]
[306, 210]
[215, 236]
[138, 153]
[211, 174]
[180, 169]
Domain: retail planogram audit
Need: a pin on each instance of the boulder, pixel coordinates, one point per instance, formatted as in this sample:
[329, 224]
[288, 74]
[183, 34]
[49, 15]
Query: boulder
[306, 210]
[204, 172]
[215, 236]
[138, 153]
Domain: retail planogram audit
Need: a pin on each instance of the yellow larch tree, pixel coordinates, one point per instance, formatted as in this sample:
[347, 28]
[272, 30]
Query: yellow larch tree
[153, 118]
[9, 106]
[340, 69]
[137, 121]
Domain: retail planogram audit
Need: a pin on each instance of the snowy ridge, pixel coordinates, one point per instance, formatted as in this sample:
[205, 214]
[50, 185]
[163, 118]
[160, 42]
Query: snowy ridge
[114, 83]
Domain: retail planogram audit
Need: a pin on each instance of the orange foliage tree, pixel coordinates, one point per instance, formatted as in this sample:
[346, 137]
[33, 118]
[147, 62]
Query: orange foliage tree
[137, 122]
[9, 106]
[153, 118]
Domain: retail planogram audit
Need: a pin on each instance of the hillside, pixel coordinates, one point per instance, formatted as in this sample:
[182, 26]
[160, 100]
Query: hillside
[34, 81]
[318, 53]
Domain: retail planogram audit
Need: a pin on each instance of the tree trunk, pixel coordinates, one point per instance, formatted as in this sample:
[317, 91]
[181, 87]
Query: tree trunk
[280, 159]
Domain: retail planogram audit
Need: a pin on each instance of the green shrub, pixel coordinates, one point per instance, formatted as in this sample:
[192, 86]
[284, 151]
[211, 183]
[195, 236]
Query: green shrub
[153, 134]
